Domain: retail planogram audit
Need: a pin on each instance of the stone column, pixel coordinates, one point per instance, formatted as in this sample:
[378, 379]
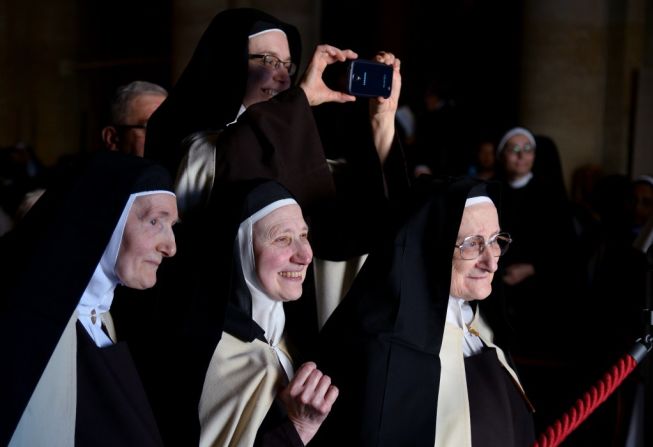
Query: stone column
[579, 60]
[38, 86]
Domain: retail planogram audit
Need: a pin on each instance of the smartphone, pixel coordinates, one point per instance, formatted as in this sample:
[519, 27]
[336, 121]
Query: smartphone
[369, 79]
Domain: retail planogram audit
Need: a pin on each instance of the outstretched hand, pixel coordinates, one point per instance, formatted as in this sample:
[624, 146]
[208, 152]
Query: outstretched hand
[308, 399]
[312, 83]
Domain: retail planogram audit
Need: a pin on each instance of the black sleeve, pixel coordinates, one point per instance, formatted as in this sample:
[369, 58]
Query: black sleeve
[277, 430]
[284, 435]
[352, 223]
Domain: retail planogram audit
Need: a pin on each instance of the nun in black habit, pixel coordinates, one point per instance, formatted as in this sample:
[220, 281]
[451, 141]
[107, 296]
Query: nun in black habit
[65, 380]
[406, 347]
[233, 344]
[236, 113]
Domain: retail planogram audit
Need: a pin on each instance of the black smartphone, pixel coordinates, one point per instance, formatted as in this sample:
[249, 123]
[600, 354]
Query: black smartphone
[369, 79]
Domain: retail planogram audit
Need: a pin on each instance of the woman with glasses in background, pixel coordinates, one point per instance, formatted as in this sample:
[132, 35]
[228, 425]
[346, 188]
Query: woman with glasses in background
[405, 347]
[545, 304]
[539, 217]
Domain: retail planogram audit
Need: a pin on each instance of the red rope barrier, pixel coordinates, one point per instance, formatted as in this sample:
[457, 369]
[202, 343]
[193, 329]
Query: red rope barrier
[595, 396]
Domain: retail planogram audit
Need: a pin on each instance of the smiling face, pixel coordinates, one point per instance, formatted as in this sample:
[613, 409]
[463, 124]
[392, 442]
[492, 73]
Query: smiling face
[472, 279]
[147, 239]
[264, 82]
[282, 252]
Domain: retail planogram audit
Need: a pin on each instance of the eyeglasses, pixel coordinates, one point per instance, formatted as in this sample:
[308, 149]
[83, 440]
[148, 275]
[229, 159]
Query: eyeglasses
[526, 149]
[131, 126]
[274, 62]
[473, 246]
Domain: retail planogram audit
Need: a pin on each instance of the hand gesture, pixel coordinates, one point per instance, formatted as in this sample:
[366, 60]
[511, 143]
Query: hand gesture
[308, 399]
[312, 83]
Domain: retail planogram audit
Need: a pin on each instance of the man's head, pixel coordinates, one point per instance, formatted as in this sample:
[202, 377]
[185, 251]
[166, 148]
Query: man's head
[147, 239]
[131, 108]
[267, 76]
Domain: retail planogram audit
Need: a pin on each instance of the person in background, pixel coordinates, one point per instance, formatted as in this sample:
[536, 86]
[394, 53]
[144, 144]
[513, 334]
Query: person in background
[131, 108]
[537, 212]
[441, 138]
[643, 195]
[66, 379]
[484, 163]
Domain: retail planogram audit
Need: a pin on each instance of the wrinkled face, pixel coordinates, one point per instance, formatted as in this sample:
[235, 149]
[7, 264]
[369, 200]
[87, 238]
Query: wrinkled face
[517, 163]
[147, 239]
[264, 82]
[132, 140]
[472, 279]
[282, 252]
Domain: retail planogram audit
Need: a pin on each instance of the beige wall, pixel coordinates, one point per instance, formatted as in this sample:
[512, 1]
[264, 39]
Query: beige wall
[580, 58]
[44, 92]
[38, 96]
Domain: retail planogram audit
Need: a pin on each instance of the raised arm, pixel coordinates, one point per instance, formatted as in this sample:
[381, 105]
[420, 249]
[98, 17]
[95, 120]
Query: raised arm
[383, 110]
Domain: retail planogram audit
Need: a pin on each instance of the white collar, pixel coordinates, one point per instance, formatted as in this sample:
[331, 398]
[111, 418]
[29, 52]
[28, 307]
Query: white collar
[240, 112]
[521, 181]
[461, 315]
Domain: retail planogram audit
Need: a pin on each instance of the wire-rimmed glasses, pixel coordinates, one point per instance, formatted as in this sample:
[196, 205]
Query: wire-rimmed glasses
[274, 62]
[472, 246]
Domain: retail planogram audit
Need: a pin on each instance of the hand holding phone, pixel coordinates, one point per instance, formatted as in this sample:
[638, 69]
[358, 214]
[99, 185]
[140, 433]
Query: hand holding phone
[312, 82]
[369, 79]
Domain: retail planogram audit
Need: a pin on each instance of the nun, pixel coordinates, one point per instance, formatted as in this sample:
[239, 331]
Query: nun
[66, 378]
[538, 213]
[413, 361]
[237, 369]
[244, 58]
[241, 111]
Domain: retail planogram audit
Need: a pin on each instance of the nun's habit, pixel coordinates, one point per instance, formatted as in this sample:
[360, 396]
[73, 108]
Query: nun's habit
[209, 93]
[252, 360]
[194, 135]
[538, 215]
[393, 352]
[194, 132]
[277, 139]
[65, 380]
[228, 357]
